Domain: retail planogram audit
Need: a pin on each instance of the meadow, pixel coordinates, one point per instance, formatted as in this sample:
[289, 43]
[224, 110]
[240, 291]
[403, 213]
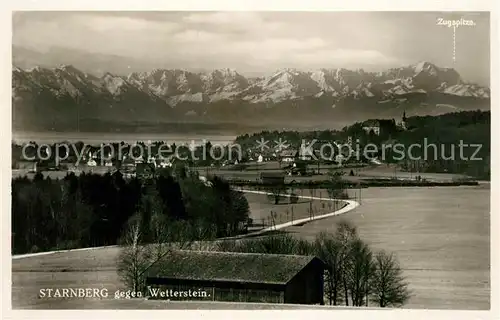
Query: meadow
[441, 237]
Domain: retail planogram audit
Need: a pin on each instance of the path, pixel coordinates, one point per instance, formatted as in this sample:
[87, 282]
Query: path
[351, 204]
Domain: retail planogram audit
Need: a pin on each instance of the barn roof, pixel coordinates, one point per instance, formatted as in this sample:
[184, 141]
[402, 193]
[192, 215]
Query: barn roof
[229, 266]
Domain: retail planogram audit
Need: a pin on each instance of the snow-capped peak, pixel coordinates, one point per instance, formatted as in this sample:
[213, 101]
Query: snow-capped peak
[425, 66]
[319, 77]
[174, 86]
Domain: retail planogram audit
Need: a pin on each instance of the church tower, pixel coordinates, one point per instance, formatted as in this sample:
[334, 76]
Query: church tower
[403, 121]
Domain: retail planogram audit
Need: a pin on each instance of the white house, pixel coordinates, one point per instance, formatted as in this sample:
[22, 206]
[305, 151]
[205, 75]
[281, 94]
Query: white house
[288, 155]
[108, 163]
[260, 158]
[152, 160]
[205, 181]
[372, 126]
[140, 159]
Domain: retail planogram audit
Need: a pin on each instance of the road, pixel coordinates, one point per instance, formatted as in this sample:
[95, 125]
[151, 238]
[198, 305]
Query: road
[96, 268]
[443, 248]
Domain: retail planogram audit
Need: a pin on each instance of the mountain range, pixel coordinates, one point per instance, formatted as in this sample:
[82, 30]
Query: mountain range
[53, 98]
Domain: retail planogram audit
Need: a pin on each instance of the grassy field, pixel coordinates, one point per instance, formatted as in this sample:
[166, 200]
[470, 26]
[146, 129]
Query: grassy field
[390, 171]
[440, 236]
[97, 268]
[261, 207]
[79, 269]
[254, 170]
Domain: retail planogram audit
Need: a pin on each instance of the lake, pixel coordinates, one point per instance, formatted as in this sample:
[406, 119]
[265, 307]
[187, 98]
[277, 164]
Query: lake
[95, 138]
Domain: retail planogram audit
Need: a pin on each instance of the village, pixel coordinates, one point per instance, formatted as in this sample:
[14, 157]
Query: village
[309, 160]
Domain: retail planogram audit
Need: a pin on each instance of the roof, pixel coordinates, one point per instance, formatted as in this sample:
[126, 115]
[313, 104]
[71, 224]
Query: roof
[378, 122]
[272, 175]
[289, 153]
[371, 123]
[128, 161]
[229, 266]
[307, 152]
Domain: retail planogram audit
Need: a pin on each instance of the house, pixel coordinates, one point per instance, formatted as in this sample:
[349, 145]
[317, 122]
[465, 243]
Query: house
[92, 153]
[145, 170]
[307, 153]
[380, 126]
[205, 181]
[297, 168]
[243, 277]
[273, 178]
[108, 163]
[372, 126]
[91, 163]
[139, 159]
[30, 166]
[260, 158]
[128, 164]
[163, 163]
[288, 155]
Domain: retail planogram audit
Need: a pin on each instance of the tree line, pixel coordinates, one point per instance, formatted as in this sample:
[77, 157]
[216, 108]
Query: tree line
[445, 131]
[92, 210]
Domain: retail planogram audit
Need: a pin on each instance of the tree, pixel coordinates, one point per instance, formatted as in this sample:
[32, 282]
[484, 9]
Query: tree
[137, 255]
[388, 286]
[294, 198]
[171, 195]
[134, 258]
[336, 188]
[360, 272]
[328, 249]
[346, 234]
[275, 193]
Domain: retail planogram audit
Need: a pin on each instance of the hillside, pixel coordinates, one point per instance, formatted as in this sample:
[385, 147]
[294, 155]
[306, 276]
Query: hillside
[430, 143]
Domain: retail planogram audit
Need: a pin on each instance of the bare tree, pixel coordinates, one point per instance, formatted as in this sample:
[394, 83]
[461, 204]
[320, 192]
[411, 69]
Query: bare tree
[360, 272]
[276, 193]
[329, 249]
[346, 234]
[389, 288]
[137, 255]
[134, 258]
[336, 186]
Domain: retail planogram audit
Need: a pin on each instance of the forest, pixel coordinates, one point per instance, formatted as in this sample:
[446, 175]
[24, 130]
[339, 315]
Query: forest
[92, 210]
[445, 131]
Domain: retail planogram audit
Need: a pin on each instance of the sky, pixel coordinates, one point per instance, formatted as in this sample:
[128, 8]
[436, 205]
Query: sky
[259, 43]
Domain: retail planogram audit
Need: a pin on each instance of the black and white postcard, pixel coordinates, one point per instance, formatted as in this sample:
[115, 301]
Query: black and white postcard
[320, 160]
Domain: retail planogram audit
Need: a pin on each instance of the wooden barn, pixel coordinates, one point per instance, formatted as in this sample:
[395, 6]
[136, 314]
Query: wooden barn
[241, 277]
